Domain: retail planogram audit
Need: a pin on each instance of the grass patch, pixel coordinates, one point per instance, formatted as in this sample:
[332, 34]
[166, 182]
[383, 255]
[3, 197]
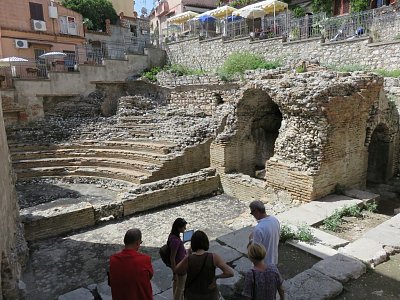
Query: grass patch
[387, 73]
[333, 222]
[303, 233]
[239, 62]
[300, 69]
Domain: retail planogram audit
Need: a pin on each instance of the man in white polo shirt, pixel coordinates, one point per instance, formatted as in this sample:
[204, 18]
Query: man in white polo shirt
[266, 232]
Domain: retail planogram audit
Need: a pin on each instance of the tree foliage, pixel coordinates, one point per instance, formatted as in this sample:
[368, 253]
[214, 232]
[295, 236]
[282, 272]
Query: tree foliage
[319, 6]
[96, 11]
[359, 5]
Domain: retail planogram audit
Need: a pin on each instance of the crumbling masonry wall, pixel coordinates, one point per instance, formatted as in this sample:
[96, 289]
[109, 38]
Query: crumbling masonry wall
[322, 141]
[9, 220]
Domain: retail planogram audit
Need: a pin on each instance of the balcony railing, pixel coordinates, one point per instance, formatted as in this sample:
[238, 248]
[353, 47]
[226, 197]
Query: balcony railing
[382, 25]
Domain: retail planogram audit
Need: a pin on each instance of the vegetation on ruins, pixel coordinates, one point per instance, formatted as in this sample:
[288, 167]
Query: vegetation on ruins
[95, 12]
[333, 222]
[389, 73]
[151, 74]
[239, 62]
[303, 233]
[177, 69]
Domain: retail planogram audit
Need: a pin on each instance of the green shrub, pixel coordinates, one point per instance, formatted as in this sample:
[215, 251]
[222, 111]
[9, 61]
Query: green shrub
[303, 233]
[151, 75]
[238, 63]
[298, 11]
[333, 222]
[286, 233]
[351, 211]
[359, 5]
[371, 207]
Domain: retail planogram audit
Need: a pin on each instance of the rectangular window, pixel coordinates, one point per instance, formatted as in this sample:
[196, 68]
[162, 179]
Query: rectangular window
[36, 10]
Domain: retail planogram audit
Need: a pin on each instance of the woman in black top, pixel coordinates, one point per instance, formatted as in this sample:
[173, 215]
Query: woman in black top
[200, 268]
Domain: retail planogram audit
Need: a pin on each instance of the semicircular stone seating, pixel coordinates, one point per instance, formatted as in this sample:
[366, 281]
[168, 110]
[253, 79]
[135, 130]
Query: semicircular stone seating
[132, 161]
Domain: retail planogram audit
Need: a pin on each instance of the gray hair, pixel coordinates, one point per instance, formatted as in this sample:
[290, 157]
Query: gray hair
[132, 235]
[257, 205]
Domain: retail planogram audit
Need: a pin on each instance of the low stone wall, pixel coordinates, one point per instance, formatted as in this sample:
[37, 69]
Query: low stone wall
[210, 54]
[9, 224]
[175, 194]
[58, 217]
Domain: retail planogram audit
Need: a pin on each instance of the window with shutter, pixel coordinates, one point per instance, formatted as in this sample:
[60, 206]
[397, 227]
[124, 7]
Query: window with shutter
[36, 10]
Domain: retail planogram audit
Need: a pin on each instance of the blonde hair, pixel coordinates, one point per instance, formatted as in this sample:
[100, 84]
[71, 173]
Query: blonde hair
[256, 252]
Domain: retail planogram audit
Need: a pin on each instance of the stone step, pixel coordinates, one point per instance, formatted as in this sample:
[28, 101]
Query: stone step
[150, 157]
[162, 147]
[144, 167]
[132, 176]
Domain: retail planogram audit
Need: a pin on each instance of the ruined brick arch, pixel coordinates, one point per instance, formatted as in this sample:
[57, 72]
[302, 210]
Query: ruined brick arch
[259, 121]
[380, 154]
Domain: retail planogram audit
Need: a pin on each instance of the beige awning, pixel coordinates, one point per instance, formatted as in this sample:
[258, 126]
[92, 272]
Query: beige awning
[268, 6]
[182, 17]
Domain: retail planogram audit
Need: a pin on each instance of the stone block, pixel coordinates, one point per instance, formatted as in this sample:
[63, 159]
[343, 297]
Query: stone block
[228, 254]
[155, 288]
[387, 233]
[299, 216]
[366, 250]
[79, 294]
[311, 284]
[166, 295]
[365, 196]
[341, 267]
[317, 250]
[162, 275]
[230, 286]
[242, 265]
[237, 240]
[327, 239]
[104, 291]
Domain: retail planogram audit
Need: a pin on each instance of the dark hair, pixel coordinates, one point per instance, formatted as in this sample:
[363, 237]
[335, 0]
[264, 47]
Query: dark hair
[132, 235]
[178, 223]
[199, 241]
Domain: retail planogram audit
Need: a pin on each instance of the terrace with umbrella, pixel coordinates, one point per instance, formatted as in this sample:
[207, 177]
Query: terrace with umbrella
[54, 61]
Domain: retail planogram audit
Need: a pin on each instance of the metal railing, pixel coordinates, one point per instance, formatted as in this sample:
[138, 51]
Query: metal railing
[348, 26]
[385, 25]
[305, 27]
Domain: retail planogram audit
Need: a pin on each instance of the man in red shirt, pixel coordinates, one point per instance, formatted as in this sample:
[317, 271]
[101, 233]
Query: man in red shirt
[131, 271]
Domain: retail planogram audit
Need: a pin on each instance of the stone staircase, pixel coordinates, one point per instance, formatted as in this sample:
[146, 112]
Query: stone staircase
[132, 161]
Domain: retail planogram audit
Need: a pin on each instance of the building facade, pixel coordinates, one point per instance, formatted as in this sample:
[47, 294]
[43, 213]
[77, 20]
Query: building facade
[169, 8]
[31, 28]
[124, 6]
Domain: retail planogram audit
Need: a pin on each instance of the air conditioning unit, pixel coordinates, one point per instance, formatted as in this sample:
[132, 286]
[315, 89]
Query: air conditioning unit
[21, 44]
[39, 25]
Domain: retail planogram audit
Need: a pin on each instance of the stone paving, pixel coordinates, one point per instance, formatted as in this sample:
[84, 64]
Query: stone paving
[79, 260]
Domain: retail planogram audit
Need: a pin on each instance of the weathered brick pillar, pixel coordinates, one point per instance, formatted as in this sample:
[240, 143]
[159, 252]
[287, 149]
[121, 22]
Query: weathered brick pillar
[108, 26]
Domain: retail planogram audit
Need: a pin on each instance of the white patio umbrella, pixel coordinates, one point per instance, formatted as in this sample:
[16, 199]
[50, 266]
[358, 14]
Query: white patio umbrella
[8, 61]
[53, 55]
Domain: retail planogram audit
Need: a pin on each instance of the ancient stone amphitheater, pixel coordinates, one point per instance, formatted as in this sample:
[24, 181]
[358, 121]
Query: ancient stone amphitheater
[133, 146]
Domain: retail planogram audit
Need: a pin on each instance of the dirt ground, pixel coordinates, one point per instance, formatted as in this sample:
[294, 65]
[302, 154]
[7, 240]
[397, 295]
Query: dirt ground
[353, 228]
